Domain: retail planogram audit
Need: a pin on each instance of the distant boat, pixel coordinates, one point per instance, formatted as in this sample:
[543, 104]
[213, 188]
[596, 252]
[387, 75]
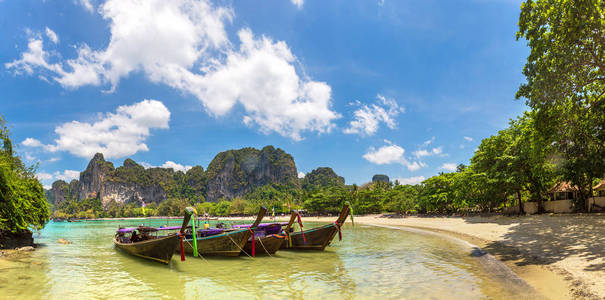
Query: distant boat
[317, 238]
[268, 236]
[141, 243]
[222, 242]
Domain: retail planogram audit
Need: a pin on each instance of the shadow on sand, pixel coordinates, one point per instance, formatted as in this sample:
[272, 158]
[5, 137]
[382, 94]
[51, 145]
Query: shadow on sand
[546, 239]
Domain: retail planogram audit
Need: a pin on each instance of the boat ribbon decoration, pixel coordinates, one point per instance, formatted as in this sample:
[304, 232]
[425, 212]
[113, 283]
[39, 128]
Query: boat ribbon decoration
[339, 231]
[253, 244]
[301, 228]
[351, 212]
[180, 234]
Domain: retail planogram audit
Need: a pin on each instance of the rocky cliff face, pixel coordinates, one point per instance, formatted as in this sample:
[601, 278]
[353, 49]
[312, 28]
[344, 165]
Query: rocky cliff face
[62, 191]
[234, 173]
[91, 180]
[231, 174]
[128, 183]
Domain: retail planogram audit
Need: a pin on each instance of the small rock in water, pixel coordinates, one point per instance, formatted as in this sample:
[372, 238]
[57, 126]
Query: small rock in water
[64, 241]
[26, 248]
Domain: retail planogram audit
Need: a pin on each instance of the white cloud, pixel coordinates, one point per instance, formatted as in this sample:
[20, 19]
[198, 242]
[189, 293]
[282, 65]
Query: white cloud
[449, 166]
[47, 187]
[52, 35]
[115, 135]
[34, 57]
[425, 152]
[301, 175]
[44, 176]
[411, 180]
[262, 77]
[175, 166]
[391, 154]
[53, 159]
[183, 44]
[87, 5]
[469, 139]
[298, 3]
[167, 164]
[31, 142]
[368, 118]
[67, 175]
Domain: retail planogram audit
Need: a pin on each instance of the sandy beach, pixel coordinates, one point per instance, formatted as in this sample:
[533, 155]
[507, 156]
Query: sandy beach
[561, 256]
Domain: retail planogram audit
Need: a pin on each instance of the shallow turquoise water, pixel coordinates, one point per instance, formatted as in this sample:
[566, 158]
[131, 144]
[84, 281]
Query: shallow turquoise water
[370, 263]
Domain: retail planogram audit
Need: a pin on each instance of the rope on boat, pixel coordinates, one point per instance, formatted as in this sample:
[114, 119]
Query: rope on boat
[199, 255]
[261, 243]
[240, 248]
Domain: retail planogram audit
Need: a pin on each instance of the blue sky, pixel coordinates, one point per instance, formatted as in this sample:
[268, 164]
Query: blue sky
[403, 88]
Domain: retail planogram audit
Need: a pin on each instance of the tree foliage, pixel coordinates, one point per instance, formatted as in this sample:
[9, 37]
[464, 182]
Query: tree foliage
[22, 200]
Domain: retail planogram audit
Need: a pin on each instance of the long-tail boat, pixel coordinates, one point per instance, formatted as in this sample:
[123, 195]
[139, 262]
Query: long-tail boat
[315, 238]
[222, 242]
[141, 243]
[268, 237]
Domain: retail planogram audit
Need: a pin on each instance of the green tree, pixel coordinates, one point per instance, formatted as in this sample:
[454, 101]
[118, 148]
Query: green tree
[22, 201]
[565, 85]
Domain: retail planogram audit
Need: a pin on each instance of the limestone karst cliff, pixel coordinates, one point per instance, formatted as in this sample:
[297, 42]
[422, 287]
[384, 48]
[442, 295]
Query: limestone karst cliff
[230, 174]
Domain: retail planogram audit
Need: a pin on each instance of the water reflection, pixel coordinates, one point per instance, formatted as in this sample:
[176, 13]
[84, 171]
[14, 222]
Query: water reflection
[368, 263]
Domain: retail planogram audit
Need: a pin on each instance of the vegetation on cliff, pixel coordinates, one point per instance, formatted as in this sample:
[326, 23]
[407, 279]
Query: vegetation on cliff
[22, 201]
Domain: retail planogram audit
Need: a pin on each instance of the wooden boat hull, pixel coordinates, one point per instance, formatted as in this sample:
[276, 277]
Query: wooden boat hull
[224, 244]
[316, 238]
[160, 249]
[265, 245]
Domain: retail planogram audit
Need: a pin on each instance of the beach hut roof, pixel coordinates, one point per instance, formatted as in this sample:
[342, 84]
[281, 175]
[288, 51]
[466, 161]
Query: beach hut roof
[563, 186]
[600, 186]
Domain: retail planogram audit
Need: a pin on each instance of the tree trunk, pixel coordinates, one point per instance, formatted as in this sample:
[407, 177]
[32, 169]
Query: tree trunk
[521, 211]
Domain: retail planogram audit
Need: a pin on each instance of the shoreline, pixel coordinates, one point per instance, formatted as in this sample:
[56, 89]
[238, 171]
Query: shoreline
[556, 265]
[562, 256]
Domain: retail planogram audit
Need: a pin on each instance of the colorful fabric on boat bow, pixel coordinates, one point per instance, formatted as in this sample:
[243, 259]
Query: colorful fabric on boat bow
[301, 228]
[339, 231]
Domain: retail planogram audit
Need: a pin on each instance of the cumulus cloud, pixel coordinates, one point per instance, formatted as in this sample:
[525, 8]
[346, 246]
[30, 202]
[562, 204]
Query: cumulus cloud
[176, 166]
[449, 166]
[411, 180]
[298, 3]
[66, 175]
[391, 154]
[52, 35]
[183, 44]
[44, 176]
[31, 142]
[469, 139]
[367, 118]
[33, 57]
[301, 175]
[115, 135]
